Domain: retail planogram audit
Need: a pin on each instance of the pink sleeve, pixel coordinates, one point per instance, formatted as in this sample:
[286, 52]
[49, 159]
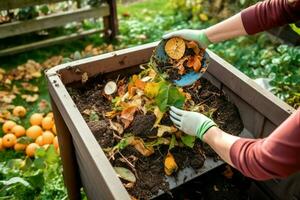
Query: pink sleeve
[270, 14]
[276, 156]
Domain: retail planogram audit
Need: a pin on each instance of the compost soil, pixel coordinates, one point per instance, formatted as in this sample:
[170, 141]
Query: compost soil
[149, 171]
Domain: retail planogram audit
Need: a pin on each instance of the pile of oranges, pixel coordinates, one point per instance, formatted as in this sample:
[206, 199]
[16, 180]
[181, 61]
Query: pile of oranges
[41, 133]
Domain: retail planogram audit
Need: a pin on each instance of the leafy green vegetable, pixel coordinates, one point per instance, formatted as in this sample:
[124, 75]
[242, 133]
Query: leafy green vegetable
[168, 95]
[188, 140]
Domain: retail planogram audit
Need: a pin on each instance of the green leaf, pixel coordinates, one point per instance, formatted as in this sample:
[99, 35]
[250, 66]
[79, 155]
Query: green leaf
[125, 174]
[15, 180]
[188, 140]
[39, 163]
[40, 153]
[51, 155]
[25, 140]
[94, 116]
[168, 95]
[173, 142]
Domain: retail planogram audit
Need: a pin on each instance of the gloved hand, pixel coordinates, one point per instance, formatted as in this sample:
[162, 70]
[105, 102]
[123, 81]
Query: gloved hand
[192, 123]
[198, 36]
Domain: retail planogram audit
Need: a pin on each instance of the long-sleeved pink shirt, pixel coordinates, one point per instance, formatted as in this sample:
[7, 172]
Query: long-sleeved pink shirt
[275, 156]
[278, 155]
[269, 14]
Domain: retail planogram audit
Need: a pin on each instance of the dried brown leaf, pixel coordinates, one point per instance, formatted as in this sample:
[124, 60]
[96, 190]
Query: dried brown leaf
[170, 165]
[30, 98]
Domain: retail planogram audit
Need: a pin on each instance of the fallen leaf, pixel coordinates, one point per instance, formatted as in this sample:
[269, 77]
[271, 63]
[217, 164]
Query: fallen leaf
[15, 90]
[29, 87]
[159, 115]
[127, 115]
[193, 45]
[188, 140]
[84, 77]
[30, 98]
[140, 147]
[44, 106]
[151, 89]
[165, 129]
[111, 114]
[131, 89]
[125, 174]
[121, 88]
[140, 84]
[52, 62]
[6, 97]
[170, 165]
[117, 127]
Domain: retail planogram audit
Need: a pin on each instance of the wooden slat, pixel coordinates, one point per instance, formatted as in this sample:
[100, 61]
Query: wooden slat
[97, 174]
[12, 4]
[48, 42]
[50, 21]
[244, 87]
[67, 154]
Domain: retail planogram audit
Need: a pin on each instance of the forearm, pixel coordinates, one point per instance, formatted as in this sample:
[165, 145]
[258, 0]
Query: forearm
[221, 142]
[227, 29]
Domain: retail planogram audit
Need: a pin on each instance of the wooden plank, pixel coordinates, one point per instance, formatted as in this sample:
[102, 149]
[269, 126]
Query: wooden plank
[12, 4]
[260, 99]
[98, 176]
[253, 120]
[104, 63]
[50, 21]
[67, 154]
[111, 21]
[48, 42]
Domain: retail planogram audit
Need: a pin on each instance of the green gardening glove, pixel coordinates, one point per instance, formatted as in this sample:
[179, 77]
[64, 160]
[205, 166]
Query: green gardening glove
[198, 36]
[192, 123]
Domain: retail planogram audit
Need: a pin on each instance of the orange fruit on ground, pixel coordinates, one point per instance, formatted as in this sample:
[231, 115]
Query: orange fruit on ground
[175, 48]
[48, 137]
[30, 149]
[19, 111]
[47, 123]
[36, 119]
[7, 126]
[55, 142]
[9, 140]
[39, 140]
[19, 147]
[54, 129]
[50, 114]
[46, 146]
[18, 130]
[1, 144]
[34, 131]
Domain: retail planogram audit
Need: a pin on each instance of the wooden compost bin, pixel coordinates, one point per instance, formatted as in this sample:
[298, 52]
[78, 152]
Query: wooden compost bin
[85, 164]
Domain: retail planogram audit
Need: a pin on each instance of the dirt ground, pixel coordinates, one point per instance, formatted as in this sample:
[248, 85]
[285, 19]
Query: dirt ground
[149, 171]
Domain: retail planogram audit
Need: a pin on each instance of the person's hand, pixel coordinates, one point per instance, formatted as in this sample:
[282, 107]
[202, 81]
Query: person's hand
[191, 123]
[198, 36]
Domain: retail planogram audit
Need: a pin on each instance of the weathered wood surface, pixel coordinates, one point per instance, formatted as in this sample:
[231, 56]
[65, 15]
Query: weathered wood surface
[12, 4]
[111, 22]
[50, 21]
[97, 175]
[67, 154]
[48, 42]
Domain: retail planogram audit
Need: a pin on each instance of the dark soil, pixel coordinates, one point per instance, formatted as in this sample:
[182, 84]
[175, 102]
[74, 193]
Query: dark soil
[150, 170]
